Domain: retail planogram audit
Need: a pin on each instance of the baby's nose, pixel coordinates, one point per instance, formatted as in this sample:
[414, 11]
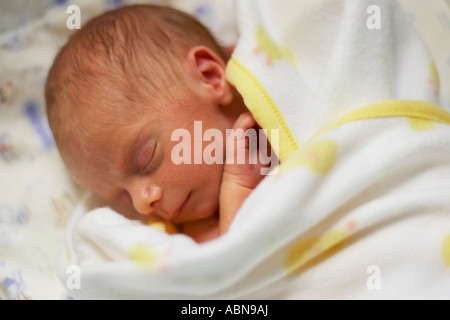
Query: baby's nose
[145, 198]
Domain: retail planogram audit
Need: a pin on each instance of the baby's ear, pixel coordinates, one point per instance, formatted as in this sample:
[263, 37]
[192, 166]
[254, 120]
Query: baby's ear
[208, 69]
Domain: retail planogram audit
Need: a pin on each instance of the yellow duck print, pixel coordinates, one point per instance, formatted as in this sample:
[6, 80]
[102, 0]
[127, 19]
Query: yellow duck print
[433, 79]
[309, 248]
[446, 250]
[273, 51]
[142, 255]
[319, 157]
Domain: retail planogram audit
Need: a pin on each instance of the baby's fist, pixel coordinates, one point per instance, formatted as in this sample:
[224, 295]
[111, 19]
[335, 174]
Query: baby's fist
[242, 164]
[242, 170]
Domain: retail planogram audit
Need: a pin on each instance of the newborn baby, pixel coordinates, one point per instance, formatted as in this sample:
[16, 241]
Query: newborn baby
[116, 93]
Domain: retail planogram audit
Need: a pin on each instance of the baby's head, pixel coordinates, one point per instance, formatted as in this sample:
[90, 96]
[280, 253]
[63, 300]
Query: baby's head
[116, 92]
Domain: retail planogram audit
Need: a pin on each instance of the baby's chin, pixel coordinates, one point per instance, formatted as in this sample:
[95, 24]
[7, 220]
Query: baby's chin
[199, 210]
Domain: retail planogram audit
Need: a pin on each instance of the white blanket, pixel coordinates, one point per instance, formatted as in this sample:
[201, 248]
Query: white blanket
[360, 206]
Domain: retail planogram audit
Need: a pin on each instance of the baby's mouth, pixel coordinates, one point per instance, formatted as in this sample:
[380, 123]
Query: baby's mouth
[181, 208]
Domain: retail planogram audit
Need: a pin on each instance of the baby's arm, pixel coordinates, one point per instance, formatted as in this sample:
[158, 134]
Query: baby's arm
[238, 180]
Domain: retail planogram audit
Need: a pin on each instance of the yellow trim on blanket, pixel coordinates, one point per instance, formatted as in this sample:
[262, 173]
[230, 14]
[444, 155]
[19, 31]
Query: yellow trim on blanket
[391, 108]
[267, 114]
[261, 105]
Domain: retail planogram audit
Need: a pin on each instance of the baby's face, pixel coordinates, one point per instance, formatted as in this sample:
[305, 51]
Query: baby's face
[131, 163]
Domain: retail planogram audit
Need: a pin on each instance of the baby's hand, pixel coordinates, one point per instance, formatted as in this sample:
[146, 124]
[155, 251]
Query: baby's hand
[239, 179]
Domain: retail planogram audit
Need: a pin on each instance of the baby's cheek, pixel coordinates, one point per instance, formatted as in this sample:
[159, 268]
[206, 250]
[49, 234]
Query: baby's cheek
[209, 189]
[207, 208]
[124, 198]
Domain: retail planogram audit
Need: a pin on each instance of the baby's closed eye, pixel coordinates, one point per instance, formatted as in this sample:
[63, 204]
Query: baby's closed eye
[145, 156]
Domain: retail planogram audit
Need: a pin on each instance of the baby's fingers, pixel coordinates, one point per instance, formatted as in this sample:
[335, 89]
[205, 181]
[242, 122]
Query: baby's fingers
[245, 121]
[237, 147]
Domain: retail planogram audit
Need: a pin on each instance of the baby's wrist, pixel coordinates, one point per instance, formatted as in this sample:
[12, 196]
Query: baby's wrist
[232, 196]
